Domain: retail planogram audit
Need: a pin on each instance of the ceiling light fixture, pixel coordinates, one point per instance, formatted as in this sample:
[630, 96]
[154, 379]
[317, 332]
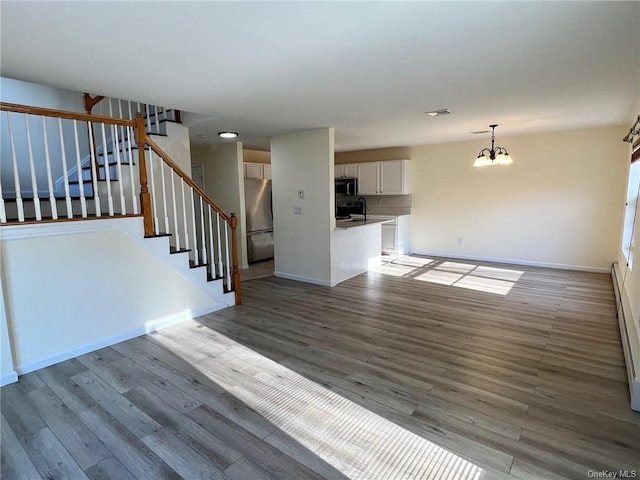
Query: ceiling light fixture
[494, 155]
[227, 134]
[437, 113]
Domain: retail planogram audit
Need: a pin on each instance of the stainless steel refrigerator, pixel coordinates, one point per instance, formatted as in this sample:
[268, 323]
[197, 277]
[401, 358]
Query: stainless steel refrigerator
[257, 198]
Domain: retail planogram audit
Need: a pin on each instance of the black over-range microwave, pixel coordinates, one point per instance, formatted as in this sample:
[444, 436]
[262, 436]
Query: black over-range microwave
[347, 186]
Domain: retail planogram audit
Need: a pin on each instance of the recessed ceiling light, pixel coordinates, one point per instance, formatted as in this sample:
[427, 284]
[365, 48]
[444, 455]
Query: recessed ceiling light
[227, 134]
[437, 113]
[202, 136]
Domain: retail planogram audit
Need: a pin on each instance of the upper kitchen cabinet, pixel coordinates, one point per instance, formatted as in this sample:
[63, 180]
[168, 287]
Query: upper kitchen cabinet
[383, 178]
[261, 171]
[345, 170]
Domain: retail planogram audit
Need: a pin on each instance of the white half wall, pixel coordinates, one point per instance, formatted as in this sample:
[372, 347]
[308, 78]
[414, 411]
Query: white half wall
[69, 293]
[303, 162]
[224, 184]
[7, 372]
[559, 204]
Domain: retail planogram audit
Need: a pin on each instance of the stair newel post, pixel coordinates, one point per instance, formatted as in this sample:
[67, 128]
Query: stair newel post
[145, 197]
[234, 257]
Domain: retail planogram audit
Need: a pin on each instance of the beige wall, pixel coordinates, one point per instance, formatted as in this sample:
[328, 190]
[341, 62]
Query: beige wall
[256, 156]
[559, 204]
[303, 161]
[374, 155]
[224, 184]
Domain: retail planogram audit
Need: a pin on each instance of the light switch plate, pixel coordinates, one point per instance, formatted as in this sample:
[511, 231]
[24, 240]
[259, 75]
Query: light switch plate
[297, 210]
[300, 193]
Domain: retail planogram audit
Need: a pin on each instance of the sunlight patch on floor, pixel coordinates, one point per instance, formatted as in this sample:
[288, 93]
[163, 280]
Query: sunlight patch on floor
[350, 438]
[498, 281]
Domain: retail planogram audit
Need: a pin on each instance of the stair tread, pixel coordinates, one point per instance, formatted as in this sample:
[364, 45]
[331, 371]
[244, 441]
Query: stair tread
[173, 250]
[156, 235]
[102, 165]
[192, 264]
[46, 199]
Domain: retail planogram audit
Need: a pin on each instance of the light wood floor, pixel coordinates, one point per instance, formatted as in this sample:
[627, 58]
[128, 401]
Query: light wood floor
[427, 368]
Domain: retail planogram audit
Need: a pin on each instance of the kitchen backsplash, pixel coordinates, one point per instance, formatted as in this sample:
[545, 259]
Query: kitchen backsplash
[388, 204]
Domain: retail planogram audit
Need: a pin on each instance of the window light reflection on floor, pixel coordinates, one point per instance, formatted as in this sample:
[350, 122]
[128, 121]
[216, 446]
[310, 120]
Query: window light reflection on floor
[481, 278]
[350, 438]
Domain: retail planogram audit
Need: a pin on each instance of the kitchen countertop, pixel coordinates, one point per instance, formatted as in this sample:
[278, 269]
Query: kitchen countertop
[357, 222]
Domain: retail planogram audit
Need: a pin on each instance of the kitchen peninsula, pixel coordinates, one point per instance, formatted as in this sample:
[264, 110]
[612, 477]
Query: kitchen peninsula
[356, 247]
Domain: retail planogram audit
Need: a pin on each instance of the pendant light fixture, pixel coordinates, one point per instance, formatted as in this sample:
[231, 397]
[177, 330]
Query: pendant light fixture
[494, 155]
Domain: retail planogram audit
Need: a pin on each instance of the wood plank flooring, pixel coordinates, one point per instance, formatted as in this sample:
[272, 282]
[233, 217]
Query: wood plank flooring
[426, 368]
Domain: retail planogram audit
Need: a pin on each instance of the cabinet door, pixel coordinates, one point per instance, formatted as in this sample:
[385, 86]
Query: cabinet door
[368, 178]
[266, 171]
[253, 170]
[350, 170]
[392, 177]
[388, 238]
[338, 171]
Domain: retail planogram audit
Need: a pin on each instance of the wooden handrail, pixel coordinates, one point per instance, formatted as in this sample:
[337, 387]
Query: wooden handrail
[158, 151]
[49, 112]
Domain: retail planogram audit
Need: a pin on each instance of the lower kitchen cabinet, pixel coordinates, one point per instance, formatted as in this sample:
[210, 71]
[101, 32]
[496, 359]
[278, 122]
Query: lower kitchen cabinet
[395, 236]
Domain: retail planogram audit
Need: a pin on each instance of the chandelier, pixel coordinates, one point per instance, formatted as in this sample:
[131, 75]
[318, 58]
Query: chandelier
[494, 155]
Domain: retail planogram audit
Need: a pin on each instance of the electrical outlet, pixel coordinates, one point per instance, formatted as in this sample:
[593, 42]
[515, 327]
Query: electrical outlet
[459, 240]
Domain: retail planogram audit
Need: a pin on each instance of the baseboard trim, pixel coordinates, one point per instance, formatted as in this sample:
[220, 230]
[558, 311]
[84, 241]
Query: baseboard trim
[300, 278]
[148, 327]
[8, 378]
[629, 337]
[559, 266]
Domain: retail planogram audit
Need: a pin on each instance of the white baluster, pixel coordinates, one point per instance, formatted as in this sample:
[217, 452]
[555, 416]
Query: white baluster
[94, 173]
[65, 172]
[164, 195]
[154, 197]
[130, 117]
[134, 197]
[110, 108]
[148, 114]
[105, 165]
[219, 240]
[3, 212]
[16, 176]
[83, 201]
[176, 231]
[226, 246]
[116, 151]
[212, 265]
[34, 182]
[52, 196]
[155, 108]
[184, 216]
[193, 227]
[203, 240]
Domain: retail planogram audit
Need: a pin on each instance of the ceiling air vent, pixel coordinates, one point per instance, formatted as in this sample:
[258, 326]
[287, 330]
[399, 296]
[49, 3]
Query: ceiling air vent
[478, 132]
[437, 113]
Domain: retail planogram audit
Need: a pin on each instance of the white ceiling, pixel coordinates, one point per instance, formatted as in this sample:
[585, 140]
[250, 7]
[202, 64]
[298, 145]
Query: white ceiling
[369, 69]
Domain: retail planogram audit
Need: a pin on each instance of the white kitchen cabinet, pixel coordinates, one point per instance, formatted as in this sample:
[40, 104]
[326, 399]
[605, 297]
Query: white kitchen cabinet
[383, 178]
[345, 170]
[368, 178]
[257, 170]
[395, 236]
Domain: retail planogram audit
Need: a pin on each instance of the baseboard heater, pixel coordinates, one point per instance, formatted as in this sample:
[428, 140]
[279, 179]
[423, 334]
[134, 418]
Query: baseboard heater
[629, 336]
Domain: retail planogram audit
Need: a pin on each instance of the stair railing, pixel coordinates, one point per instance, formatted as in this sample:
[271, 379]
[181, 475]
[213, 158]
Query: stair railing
[48, 153]
[177, 205]
[49, 146]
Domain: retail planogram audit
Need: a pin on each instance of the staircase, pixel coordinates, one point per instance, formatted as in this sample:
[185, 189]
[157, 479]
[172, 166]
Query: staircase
[67, 166]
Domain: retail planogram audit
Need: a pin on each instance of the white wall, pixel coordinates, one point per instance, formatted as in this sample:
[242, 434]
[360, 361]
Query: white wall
[7, 372]
[559, 204]
[303, 161]
[92, 289]
[224, 184]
